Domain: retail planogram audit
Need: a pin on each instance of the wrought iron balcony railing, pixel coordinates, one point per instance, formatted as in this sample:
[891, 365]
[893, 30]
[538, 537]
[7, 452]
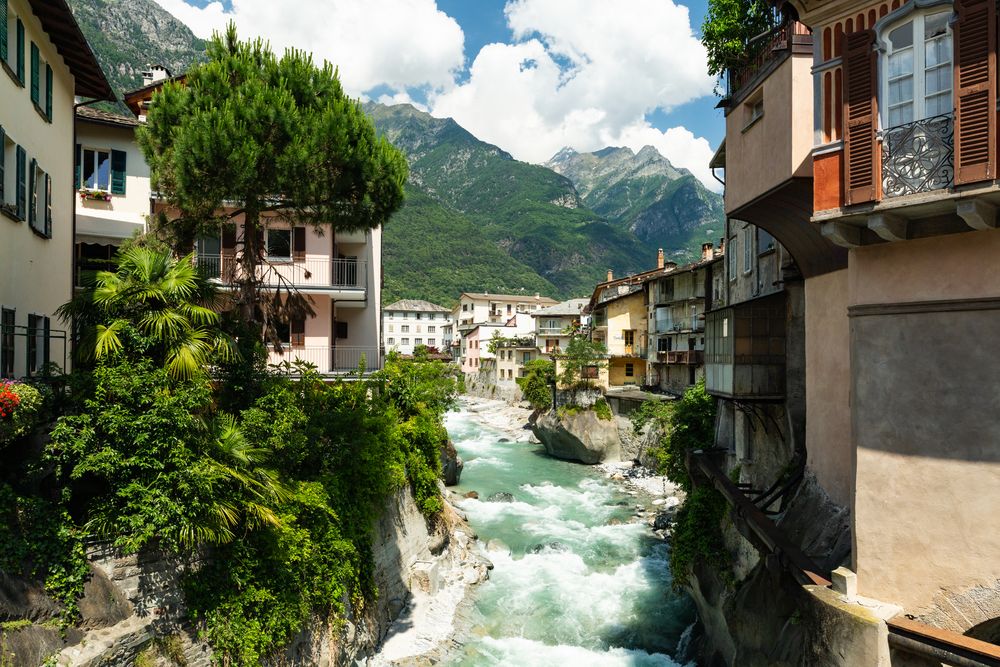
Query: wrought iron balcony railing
[918, 156]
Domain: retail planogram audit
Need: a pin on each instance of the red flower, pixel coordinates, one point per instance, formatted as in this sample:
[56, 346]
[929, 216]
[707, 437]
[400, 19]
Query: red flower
[9, 400]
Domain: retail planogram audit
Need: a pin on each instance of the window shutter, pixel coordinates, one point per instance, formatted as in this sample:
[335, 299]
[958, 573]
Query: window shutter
[299, 244]
[20, 51]
[48, 206]
[3, 158]
[34, 73]
[117, 172]
[860, 114]
[48, 91]
[975, 91]
[32, 195]
[78, 172]
[3, 30]
[298, 331]
[46, 347]
[22, 189]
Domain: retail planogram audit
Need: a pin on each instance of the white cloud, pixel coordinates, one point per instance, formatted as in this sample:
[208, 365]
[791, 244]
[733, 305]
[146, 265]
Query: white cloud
[397, 43]
[581, 73]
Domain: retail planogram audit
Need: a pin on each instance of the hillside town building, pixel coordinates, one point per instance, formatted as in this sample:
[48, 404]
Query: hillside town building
[46, 64]
[409, 323]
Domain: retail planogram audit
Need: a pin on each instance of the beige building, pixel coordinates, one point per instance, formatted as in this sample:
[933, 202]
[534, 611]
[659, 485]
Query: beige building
[555, 325]
[45, 63]
[408, 323]
[481, 308]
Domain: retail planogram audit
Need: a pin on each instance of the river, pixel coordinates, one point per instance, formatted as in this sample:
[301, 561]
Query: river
[580, 585]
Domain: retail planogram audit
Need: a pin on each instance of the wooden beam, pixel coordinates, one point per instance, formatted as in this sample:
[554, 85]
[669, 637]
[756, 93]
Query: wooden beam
[890, 227]
[842, 234]
[977, 213]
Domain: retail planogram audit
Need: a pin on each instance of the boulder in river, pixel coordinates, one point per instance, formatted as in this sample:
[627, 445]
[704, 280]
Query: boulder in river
[451, 464]
[554, 546]
[471, 494]
[578, 436]
[500, 497]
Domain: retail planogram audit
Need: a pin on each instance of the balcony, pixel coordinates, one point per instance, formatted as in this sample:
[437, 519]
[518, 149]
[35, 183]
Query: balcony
[347, 276]
[918, 156]
[686, 325]
[636, 351]
[681, 357]
[764, 53]
[331, 360]
[551, 331]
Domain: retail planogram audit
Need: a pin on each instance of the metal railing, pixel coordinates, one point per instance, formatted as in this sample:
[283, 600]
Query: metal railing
[671, 325]
[761, 50]
[331, 360]
[918, 156]
[340, 273]
[686, 357]
[25, 351]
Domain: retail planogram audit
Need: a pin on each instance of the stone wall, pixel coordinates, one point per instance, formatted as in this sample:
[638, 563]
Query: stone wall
[484, 385]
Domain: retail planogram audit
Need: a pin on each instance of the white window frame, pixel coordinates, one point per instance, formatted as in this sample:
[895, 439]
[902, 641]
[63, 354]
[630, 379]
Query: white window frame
[748, 243]
[733, 257]
[912, 13]
[82, 185]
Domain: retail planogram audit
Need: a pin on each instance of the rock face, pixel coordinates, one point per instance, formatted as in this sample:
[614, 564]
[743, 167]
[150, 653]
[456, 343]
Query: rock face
[451, 464]
[578, 437]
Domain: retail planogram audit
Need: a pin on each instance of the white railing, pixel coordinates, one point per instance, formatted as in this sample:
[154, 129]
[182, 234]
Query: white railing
[331, 360]
[342, 273]
[671, 325]
[551, 330]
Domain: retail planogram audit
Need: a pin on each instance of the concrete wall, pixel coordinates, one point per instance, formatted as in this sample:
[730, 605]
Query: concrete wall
[776, 147]
[36, 273]
[123, 216]
[828, 372]
[924, 378]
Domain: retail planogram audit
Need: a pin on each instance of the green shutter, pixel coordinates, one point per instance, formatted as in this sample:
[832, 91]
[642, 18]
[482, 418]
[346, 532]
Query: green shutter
[117, 172]
[3, 160]
[32, 195]
[48, 206]
[3, 30]
[48, 91]
[78, 172]
[20, 51]
[35, 65]
[22, 190]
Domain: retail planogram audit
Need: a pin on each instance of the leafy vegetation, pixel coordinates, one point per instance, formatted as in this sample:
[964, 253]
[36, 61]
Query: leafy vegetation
[603, 410]
[536, 385]
[689, 424]
[697, 536]
[727, 29]
[20, 405]
[581, 353]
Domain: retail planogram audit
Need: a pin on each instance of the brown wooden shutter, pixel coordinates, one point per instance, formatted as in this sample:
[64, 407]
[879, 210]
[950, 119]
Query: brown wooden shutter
[975, 90]
[299, 244]
[861, 118]
[298, 331]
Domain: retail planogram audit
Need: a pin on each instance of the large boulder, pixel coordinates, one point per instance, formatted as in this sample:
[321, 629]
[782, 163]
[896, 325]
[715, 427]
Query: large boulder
[451, 464]
[578, 436]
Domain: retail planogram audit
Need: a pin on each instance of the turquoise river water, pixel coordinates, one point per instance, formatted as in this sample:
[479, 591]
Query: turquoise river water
[577, 588]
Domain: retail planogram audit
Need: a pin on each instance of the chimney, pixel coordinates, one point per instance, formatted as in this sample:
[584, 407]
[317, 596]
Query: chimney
[611, 276]
[154, 73]
[659, 259]
[706, 252]
[722, 246]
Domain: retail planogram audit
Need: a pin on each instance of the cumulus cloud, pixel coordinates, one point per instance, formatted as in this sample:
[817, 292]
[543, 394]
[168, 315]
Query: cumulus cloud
[585, 73]
[398, 43]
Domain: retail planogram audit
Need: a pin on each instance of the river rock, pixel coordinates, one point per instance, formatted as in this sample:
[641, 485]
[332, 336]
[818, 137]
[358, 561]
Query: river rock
[578, 437]
[663, 520]
[497, 546]
[554, 545]
[471, 494]
[500, 497]
[451, 464]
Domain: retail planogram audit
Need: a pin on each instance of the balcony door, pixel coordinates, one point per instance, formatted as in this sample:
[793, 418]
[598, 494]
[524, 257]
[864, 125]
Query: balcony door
[629, 335]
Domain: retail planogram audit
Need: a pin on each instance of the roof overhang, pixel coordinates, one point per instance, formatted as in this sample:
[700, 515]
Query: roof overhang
[58, 22]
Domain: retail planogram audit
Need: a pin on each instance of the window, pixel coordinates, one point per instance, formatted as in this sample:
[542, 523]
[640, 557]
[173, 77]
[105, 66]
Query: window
[406, 341]
[731, 251]
[390, 328]
[418, 341]
[765, 241]
[4, 31]
[391, 341]
[279, 244]
[340, 329]
[431, 342]
[419, 316]
[283, 331]
[629, 370]
[753, 110]
[5, 147]
[465, 307]
[917, 68]
[95, 169]
[38, 343]
[747, 249]
[404, 328]
[7, 342]
[431, 329]
[22, 182]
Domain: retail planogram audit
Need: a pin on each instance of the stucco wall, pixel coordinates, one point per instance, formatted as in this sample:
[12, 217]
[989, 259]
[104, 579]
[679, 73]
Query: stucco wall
[625, 314]
[924, 381]
[828, 373]
[123, 216]
[36, 274]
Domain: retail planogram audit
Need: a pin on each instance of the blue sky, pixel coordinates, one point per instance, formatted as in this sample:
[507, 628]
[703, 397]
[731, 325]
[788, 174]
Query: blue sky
[531, 76]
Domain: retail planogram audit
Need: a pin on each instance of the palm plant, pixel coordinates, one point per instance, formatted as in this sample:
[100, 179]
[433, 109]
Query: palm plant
[162, 298]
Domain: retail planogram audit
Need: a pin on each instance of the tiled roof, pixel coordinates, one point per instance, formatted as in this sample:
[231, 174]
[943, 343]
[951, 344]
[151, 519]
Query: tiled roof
[417, 305]
[509, 297]
[89, 114]
[571, 307]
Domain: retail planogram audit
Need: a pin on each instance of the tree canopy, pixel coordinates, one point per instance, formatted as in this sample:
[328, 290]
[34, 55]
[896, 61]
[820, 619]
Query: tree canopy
[728, 27]
[249, 137]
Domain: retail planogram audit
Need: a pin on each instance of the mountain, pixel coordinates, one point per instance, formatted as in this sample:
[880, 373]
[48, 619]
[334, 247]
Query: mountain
[127, 35]
[530, 212]
[662, 205]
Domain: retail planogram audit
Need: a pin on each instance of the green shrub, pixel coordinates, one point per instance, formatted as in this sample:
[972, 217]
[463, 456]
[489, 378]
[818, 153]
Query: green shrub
[536, 384]
[697, 536]
[690, 425]
[23, 417]
[603, 410]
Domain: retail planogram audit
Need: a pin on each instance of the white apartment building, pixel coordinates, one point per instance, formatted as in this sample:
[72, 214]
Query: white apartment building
[555, 325]
[111, 178]
[46, 63]
[476, 341]
[482, 308]
[408, 323]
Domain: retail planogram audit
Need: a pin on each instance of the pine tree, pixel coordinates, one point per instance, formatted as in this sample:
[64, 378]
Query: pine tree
[248, 136]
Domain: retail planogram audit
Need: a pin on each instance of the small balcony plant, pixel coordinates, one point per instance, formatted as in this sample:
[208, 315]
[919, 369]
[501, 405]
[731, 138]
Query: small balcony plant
[19, 407]
[86, 194]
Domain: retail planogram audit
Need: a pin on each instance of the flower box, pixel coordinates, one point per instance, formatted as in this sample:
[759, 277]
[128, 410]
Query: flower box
[94, 195]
